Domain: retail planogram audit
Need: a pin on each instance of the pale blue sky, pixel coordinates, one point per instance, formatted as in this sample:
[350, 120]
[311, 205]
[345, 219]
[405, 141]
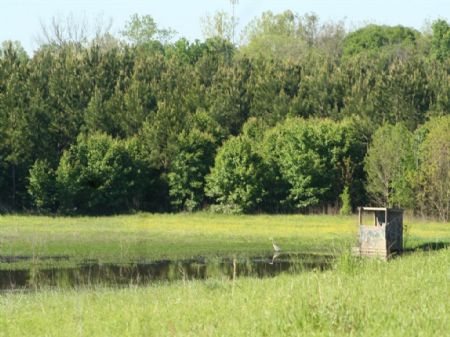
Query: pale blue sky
[20, 19]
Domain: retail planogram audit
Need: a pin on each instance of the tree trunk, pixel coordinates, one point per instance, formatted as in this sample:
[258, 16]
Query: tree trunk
[13, 186]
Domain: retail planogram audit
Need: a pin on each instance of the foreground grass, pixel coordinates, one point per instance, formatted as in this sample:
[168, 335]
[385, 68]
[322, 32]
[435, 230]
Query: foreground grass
[408, 296]
[172, 236]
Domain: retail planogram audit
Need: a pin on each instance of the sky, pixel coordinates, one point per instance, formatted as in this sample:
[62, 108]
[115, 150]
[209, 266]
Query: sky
[21, 19]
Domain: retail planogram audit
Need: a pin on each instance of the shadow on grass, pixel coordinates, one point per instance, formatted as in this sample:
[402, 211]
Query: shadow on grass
[428, 246]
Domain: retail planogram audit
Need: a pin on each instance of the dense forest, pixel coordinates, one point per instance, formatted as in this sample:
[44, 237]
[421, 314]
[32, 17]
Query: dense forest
[297, 116]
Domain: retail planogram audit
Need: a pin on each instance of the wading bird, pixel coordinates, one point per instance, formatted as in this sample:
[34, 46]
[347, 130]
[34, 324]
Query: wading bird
[276, 248]
[274, 257]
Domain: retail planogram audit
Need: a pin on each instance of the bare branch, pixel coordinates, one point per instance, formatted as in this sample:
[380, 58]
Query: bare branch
[72, 30]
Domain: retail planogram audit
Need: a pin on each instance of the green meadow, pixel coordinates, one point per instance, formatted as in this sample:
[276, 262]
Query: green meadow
[167, 236]
[176, 236]
[407, 296]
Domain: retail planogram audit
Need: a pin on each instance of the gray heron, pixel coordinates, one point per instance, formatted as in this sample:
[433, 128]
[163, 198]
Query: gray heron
[276, 248]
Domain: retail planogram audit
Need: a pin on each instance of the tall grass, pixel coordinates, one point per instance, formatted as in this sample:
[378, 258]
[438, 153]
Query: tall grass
[408, 296]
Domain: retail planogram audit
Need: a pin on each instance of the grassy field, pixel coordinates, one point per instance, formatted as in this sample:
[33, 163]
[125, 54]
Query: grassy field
[148, 236]
[165, 236]
[408, 296]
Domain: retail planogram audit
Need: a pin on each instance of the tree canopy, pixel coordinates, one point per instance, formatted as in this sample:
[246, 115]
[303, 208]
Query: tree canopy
[375, 38]
[299, 114]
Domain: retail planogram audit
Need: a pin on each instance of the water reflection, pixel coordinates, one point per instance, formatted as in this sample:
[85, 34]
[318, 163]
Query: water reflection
[275, 256]
[93, 273]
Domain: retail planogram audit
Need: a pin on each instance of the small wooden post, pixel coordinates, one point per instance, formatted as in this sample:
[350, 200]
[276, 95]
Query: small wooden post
[360, 215]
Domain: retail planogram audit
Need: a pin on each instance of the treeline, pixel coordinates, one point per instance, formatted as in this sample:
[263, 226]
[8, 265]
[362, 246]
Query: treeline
[285, 121]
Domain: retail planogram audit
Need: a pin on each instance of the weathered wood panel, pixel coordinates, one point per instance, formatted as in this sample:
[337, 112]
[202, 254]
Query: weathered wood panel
[372, 241]
[385, 236]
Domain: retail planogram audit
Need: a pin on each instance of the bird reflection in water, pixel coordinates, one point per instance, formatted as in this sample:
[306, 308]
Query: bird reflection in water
[274, 257]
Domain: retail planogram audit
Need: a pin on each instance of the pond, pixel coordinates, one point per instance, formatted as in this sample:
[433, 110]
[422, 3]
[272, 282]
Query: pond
[94, 273]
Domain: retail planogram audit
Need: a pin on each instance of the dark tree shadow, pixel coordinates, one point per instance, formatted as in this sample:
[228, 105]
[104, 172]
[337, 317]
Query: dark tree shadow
[428, 246]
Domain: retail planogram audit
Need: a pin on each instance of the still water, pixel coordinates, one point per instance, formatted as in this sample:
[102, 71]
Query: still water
[94, 273]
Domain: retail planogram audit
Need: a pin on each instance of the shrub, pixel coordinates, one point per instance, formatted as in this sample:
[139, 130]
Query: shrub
[195, 156]
[239, 175]
[346, 208]
[96, 176]
[312, 160]
[42, 186]
[225, 209]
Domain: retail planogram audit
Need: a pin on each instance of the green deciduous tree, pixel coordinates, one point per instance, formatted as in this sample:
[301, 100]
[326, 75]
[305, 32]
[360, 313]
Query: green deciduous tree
[389, 165]
[313, 158]
[42, 186]
[192, 162]
[96, 176]
[434, 168]
[374, 38]
[279, 36]
[141, 30]
[148, 96]
[440, 40]
[238, 176]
